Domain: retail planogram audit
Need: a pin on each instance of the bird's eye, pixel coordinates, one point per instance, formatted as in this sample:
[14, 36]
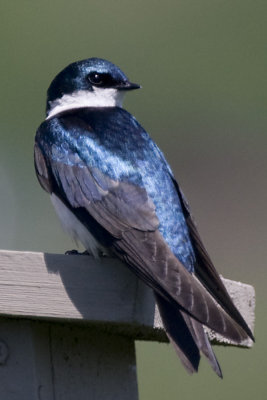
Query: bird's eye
[96, 78]
[103, 79]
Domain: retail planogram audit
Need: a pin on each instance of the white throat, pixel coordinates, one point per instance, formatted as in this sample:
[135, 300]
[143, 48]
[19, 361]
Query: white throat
[85, 98]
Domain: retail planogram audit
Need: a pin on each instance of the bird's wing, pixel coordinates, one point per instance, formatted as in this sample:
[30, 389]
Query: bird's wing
[127, 213]
[205, 270]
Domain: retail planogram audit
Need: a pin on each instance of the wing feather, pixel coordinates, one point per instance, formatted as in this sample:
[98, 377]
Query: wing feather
[126, 212]
[206, 272]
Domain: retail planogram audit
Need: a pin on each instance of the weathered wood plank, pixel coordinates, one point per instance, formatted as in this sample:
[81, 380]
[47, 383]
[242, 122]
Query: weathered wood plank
[90, 364]
[56, 361]
[69, 287]
[80, 288]
[26, 371]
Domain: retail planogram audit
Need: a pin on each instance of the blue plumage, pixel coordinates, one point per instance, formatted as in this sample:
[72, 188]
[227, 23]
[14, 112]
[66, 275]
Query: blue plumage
[120, 148]
[115, 192]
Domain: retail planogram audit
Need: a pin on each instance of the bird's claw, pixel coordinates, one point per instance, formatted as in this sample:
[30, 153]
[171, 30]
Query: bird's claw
[76, 253]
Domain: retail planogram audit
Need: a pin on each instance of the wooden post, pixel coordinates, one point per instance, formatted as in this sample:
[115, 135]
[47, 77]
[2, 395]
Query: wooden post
[68, 326]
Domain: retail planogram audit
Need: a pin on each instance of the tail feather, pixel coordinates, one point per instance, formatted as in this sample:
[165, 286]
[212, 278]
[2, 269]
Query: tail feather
[203, 343]
[179, 334]
[187, 336]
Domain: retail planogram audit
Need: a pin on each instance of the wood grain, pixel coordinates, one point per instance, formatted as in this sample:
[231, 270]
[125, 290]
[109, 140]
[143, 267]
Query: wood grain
[82, 289]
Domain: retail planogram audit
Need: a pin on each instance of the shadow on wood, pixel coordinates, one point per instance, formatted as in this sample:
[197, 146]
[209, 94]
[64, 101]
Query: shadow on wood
[69, 323]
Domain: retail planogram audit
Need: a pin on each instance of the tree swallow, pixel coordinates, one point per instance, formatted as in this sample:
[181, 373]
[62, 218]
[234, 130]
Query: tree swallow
[114, 192]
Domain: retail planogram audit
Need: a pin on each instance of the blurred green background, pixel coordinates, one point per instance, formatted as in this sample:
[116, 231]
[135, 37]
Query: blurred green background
[202, 65]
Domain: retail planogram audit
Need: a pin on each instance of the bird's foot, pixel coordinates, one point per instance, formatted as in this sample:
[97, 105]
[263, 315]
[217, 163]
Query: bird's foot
[87, 253]
[77, 253]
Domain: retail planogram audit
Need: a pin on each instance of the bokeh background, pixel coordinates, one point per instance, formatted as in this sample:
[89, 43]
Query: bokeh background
[202, 65]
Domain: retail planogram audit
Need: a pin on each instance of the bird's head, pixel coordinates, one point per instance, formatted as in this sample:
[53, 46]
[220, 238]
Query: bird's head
[89, 83]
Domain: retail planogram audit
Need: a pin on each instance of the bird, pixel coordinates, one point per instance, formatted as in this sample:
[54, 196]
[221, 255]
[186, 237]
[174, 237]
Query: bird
[116, 194]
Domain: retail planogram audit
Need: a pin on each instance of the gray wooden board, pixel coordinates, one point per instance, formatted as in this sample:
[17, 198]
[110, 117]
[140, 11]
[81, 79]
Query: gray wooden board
[68, 325]
[82, 289]
[104, 364]
[53, 361]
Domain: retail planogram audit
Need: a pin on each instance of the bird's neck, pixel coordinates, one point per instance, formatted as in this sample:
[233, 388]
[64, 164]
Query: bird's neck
[85, 98]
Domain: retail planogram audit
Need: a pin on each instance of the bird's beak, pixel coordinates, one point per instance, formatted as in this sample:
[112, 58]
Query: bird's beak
[128, 86]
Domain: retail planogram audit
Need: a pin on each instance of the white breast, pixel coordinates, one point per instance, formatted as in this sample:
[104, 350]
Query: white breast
[75, 228]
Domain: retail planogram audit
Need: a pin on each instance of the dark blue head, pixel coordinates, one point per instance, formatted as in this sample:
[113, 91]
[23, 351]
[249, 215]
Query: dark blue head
[87, 78]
